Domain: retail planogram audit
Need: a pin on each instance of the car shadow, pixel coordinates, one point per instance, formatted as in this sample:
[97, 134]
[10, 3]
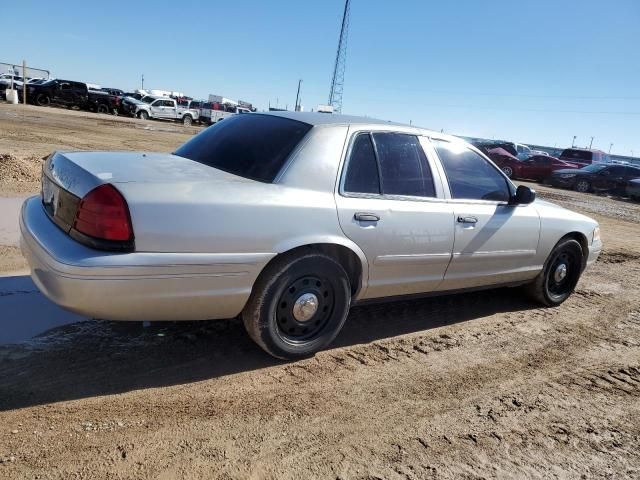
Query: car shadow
[96, 358]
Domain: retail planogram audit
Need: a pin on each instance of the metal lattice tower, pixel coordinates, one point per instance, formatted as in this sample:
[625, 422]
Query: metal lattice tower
[337, 82]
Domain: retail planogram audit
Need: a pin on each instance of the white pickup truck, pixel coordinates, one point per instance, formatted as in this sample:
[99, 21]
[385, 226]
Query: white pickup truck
[210, 115]
[165, 108]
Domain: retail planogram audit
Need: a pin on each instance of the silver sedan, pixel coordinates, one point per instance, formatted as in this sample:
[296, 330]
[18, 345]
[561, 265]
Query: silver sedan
[289, 219]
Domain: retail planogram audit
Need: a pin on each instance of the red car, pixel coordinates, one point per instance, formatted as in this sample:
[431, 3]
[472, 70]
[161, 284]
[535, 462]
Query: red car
[536, 167]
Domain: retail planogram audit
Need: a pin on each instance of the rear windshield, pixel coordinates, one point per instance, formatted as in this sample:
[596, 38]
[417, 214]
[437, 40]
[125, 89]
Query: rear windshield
[577, 155]
[250, 146]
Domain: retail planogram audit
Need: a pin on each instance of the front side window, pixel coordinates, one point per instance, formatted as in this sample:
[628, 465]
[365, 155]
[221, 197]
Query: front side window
[362, 171]
[250, 146]
[470, 176]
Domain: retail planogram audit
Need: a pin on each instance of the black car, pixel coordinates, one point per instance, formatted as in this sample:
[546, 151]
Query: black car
[633, 189]
[68, 93]
[597, 177]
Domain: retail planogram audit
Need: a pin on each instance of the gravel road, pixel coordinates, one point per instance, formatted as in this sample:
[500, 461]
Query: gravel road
[479, 385]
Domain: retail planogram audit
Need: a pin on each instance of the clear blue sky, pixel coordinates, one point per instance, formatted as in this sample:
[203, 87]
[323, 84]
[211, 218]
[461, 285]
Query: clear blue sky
[533, 71]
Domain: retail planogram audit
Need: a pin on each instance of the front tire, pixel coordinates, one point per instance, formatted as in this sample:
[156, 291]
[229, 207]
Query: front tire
[187, 120]
[102, 108]
[143, 115]
[298, 305]
[560, 274]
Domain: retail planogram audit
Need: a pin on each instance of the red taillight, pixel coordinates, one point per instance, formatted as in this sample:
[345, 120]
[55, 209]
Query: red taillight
[103, 214]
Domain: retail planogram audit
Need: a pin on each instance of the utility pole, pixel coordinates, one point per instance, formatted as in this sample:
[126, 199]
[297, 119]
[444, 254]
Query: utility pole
[610, 145]
[573, 142]
[297, 108]
[142, 82]
[24, 82]
[590, 143]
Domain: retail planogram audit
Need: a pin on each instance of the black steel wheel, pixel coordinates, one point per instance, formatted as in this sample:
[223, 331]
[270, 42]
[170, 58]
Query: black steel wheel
[298, 305]
[560, 275]
[304, 308]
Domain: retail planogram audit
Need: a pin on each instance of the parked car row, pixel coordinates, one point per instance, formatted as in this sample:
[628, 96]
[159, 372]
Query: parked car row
[580, 169]
[72, 94]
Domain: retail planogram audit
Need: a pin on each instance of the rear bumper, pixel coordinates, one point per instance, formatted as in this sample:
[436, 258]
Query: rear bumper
[134, 286]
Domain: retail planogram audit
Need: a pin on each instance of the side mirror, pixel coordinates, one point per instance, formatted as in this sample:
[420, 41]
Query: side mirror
[524, 196]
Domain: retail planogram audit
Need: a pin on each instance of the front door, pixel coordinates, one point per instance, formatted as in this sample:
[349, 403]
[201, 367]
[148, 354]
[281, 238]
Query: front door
[393, 207]
[495, 242]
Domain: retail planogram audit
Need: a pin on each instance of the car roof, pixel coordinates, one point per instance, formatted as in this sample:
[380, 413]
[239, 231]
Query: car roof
[320, 119]
[584, 149]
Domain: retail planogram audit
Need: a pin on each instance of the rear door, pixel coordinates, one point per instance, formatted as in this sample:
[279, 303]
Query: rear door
[392, 205]
[495, 242]
[170, 109]
[157, 108]
[63, 93]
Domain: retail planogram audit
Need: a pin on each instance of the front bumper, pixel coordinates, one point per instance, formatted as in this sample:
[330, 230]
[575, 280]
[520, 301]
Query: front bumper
[594, 251]
[134, 286]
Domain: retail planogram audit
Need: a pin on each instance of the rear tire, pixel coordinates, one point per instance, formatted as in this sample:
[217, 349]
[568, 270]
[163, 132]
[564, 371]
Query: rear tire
[102, 108]
[582, 186]
[508, 171]
[43, 100]
[298, 305]
[560, 274]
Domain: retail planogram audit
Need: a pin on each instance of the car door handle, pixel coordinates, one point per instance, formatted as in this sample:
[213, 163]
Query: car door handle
[366, 217]
[467, 220]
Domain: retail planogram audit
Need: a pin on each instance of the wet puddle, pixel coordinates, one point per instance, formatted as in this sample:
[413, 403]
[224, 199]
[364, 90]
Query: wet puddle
[25, 313]
[9, 214]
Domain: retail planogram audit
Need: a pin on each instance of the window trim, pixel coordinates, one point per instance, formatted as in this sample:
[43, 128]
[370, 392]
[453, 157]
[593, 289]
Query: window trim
[509, 184]
[382, 196]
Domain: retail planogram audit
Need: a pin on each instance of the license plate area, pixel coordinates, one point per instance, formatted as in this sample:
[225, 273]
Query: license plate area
[60, 205]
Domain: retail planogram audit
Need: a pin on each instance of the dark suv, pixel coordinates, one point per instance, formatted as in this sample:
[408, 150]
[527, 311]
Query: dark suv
[70, 94]
[584, 156]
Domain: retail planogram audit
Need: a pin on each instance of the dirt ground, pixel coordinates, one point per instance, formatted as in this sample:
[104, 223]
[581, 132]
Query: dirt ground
[480, 385]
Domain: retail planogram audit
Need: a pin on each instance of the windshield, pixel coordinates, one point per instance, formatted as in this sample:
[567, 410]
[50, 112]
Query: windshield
[250, 146]
[594, 168]
[148, 99]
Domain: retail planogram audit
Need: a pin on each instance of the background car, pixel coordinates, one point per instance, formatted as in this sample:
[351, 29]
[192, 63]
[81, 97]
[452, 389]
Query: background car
[598, 177]
[584, 156]
[540, 167]
[633, 189]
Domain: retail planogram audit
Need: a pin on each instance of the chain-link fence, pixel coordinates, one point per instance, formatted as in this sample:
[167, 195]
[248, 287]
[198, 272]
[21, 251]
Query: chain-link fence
[31, 72]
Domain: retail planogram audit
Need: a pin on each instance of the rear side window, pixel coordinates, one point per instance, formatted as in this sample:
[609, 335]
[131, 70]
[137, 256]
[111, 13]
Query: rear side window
[362, 172]
[250, 146]
[403, 165]
[470, 176]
